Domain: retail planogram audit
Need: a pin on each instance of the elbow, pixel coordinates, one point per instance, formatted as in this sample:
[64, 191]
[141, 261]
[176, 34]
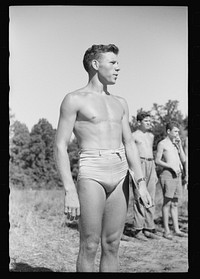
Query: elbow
[59, 147]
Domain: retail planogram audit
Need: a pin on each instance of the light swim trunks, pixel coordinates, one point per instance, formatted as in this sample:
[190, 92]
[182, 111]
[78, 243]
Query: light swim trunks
[108, 167]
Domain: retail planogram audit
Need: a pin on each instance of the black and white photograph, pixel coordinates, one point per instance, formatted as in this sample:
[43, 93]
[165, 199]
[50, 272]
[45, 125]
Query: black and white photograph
[98, 139]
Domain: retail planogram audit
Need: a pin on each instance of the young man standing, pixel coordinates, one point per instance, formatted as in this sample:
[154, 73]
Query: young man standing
[143, 218]
[100, 121]
[170, 156]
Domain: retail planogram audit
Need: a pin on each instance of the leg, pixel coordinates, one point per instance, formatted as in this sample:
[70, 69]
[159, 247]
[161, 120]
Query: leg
[174, 214]
[92, 202]
[113, 224]
[152, 180]
[165, 213]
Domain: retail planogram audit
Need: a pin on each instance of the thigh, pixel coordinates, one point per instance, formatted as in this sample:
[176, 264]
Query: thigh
[168, 185]
[116, 210]
[92, 202]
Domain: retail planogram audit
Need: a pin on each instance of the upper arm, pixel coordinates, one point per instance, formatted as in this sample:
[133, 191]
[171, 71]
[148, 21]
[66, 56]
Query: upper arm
[134, 136]
[126, 131]
[67, 118]
[159, 153]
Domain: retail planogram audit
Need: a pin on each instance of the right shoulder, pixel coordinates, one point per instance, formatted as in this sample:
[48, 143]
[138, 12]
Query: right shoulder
[135, 134]
[71, 100]
[162, 143]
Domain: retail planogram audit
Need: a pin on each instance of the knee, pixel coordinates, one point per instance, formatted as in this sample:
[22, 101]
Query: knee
[111, 244]
[174, 205]
[90, 244]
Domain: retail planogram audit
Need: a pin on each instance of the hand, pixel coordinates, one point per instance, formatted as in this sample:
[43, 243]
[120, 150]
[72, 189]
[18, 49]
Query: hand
[175, 170]
[72, 205]
[177, 141]
[144, 194]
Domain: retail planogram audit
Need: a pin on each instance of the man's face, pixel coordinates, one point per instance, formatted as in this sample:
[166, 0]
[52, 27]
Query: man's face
[146, 123]
[174, 133]
[108, 68]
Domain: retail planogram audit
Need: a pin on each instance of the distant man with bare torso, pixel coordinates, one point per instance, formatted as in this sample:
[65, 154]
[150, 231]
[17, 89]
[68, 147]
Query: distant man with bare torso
[143, 218]
[100, 121]
[170, 156]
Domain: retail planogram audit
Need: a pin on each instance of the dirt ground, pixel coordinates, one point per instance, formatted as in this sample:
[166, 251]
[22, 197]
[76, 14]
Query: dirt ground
[41, 241]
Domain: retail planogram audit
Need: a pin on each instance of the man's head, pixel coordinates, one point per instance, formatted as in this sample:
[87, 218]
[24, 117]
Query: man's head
[102, 59]
[172, 129]
[94, 53]
[144, 120]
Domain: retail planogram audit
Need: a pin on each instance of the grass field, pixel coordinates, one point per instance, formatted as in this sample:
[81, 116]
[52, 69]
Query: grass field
[41, 241]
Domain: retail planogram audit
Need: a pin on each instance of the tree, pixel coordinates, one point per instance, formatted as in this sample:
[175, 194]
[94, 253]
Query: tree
[41, 157]
[73, 158]
[162, 114]
[19, 149]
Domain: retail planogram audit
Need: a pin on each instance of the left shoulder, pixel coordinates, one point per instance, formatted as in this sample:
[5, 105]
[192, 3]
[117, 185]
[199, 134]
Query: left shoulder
[122, 101]
[151, 135]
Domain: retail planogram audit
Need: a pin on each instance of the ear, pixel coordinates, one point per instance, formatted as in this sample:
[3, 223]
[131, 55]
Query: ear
[95, 64]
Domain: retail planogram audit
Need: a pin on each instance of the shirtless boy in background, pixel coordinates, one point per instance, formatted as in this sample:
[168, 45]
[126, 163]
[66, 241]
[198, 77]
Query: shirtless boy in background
[143, 218]
[100, 121]
[170, 156]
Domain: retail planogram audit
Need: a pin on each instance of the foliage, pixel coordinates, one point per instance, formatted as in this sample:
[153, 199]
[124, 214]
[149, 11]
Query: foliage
[161, 114]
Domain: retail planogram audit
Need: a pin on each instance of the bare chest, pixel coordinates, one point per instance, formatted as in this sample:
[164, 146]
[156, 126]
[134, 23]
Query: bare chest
[97, 110]
[144, 139]
[171, 152]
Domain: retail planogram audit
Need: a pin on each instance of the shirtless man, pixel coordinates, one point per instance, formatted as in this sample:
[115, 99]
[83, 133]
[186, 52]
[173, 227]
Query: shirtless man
[143, 218]
[100, 121]
[185, 148]
[170, 156]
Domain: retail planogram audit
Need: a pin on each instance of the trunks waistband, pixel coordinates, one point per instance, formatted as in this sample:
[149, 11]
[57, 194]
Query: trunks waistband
[147, 159]
[100, 152]
[178, 173]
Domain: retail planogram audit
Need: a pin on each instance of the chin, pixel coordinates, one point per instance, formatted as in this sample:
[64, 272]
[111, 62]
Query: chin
[112, 82]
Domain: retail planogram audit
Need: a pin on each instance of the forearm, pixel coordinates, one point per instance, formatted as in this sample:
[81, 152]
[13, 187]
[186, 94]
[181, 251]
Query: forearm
[63, 165]
[182, 154]
[162, 163]
[133, 159]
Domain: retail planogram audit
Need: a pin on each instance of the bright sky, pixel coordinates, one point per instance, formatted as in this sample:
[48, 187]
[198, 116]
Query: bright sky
[47, 44]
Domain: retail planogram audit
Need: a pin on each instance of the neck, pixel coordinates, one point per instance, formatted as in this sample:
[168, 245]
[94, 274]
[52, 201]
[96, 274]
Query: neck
[94, 85]
[142, 129]
[169, 138]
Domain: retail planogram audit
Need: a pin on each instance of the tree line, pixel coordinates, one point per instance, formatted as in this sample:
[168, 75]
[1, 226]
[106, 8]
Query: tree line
[32, 163]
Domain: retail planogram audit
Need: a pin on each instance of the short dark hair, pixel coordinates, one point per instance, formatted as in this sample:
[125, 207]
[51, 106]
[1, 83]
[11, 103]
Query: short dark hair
[170, 125]
[143, 114]
[94, 52]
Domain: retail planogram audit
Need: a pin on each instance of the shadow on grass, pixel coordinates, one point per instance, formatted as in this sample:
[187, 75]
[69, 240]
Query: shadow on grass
[23, 267]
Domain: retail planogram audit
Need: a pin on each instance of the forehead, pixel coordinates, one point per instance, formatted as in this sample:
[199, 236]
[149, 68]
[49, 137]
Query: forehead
[175, 129]
[107, 56]
[147, 118]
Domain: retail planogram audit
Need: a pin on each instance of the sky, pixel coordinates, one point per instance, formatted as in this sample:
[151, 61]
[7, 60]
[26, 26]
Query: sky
[47, 45]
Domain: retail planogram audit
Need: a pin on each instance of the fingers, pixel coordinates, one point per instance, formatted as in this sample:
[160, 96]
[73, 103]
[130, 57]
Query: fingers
[147, 201]
[72, 213]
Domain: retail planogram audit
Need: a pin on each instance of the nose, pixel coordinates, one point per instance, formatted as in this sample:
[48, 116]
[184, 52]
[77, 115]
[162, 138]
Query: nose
[117, 68]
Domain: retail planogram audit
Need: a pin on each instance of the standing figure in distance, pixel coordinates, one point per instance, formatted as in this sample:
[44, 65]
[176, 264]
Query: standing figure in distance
[143, 218]
[100, 122]
[170, 156]
[185, 148]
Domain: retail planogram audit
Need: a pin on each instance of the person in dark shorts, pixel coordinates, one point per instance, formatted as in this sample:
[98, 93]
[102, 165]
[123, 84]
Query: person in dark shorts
[170, 156]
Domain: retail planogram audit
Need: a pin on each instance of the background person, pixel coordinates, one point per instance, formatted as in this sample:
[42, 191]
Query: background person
[143, 218]
[170, 156]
